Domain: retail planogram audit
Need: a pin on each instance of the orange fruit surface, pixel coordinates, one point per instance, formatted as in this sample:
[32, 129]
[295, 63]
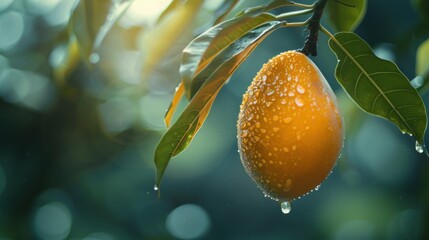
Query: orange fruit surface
[290, 130]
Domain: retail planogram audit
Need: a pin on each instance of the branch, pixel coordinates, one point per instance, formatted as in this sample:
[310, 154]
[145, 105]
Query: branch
[310, 45]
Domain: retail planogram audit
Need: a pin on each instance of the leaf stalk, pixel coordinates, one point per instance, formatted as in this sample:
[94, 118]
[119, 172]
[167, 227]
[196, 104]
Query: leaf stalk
[310, 44]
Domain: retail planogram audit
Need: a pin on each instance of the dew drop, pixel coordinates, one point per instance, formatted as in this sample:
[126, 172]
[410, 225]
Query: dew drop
[287, 120]
[268, 104]
[317, 187]
[300, 89]
[299, 102]
[257, 125]
[270, 92]
[420, 148]
[291, 94]
[244, 134]
[156, 188]
[283, 101]
[286, 207]
[276, 118]
[264, 78]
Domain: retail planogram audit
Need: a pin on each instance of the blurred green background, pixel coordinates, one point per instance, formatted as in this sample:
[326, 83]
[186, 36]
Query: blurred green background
[76, 150]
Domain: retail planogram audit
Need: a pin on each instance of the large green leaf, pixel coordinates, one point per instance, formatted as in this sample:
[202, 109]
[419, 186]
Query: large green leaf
[91, 21]
[377, 85]
[345, 15]
[178, 137]
[201, 51]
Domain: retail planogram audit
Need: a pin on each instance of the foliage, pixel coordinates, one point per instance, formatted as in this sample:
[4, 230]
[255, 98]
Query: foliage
[80, 118]
[376, 85]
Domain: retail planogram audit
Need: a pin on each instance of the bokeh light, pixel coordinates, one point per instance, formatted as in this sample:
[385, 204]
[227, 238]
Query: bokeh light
[4, 4]
[379, 152]
[355, 230]
[12, 28]
[52, 221]
[117, 115]
[143, 12]
[42, 7]
[188, 221]
[56, 12]
[30, 89]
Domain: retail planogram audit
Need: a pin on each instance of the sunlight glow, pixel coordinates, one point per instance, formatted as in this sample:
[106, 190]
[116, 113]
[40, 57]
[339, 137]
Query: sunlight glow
[143, 12]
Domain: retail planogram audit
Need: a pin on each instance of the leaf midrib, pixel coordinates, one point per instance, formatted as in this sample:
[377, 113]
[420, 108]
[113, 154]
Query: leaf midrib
[373, 82]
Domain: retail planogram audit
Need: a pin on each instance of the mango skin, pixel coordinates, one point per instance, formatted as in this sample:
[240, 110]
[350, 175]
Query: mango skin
[290, 130]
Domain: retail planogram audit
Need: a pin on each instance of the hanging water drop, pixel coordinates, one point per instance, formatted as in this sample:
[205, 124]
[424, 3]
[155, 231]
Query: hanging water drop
[156, 188]
[420, 148]
[286, 207]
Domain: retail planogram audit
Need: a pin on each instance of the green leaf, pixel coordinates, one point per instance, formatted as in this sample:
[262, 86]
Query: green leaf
[91, 21]
[178, 137]
[345, 15]
[377, 85]
[173, 105]
[201, 51]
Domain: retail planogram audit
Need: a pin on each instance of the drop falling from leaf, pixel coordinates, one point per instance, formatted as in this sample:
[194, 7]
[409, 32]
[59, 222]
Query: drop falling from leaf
[420, 148]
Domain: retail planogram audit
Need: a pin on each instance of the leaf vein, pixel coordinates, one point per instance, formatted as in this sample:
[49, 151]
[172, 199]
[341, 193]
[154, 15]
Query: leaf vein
[359, 66]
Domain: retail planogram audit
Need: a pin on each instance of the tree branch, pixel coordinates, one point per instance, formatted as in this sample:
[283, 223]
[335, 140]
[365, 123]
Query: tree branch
[310, 44]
